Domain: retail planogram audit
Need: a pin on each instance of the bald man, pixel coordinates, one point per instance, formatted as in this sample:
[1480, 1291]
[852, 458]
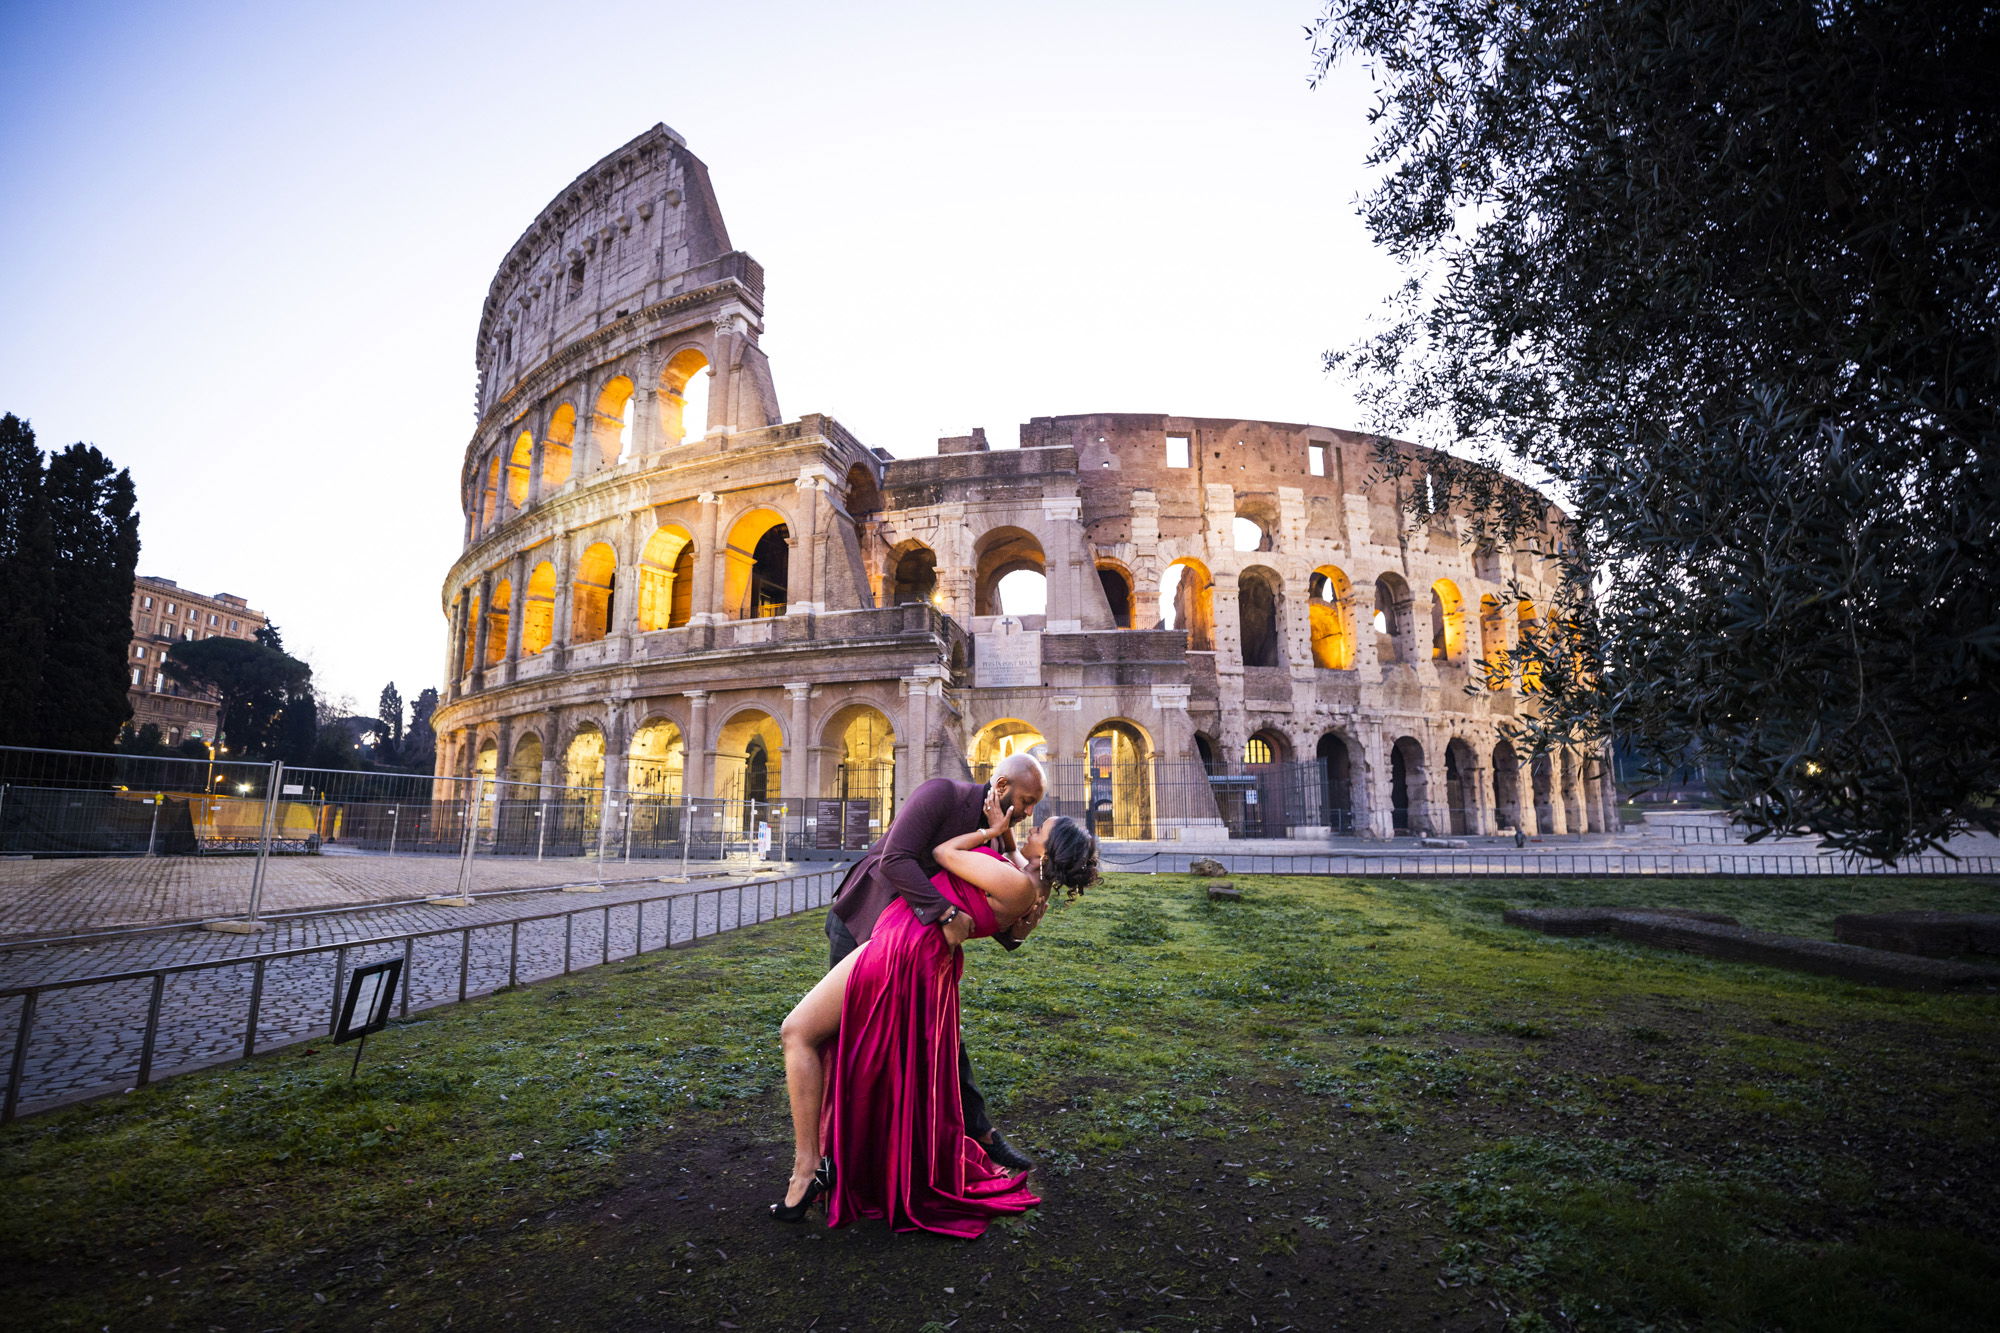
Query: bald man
[900, 865]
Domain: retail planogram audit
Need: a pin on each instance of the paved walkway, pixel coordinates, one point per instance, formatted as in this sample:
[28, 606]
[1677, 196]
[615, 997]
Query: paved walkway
[88, 1039]
[68, 897]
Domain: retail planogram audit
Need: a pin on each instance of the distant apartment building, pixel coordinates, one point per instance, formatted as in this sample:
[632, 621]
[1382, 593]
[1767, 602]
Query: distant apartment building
[163, 614]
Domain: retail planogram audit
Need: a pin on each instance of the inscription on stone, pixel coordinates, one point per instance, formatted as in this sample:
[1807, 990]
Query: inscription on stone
[1007, 656]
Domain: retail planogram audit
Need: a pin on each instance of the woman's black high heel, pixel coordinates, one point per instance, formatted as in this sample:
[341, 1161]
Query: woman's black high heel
[822, 1183]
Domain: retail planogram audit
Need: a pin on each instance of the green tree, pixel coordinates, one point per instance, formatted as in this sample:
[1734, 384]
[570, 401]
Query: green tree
[1722, 274]
[252, 681]
[389, 708]
[26, 559]
[94, 529]
[419, 748]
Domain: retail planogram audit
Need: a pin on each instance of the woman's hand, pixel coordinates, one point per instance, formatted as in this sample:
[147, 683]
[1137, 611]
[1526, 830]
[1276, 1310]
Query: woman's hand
[997, 822]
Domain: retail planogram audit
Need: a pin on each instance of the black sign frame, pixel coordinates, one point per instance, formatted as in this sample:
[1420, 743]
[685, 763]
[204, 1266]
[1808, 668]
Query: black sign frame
[382, 995]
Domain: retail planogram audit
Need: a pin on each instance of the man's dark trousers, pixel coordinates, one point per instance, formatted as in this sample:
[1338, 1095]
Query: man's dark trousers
[840, 943]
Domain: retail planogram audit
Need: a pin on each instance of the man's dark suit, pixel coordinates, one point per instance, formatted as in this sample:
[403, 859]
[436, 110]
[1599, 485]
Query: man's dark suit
[900, 865]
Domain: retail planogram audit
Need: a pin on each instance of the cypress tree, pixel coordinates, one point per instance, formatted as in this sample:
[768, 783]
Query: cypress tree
[25, 561]
[94, 532]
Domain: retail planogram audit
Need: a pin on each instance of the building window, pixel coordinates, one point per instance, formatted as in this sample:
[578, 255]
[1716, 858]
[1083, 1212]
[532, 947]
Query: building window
[170, 608]
[159, 681]
[1316, 458]
[194, 615]
[173, 735]
[1256, 750]
[233, 627]
[137, 674]
[139, 653]
[575, 280]
[214, 619]
[147, 602]
[1177, 451]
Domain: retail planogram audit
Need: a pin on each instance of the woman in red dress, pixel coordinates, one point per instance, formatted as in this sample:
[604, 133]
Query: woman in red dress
[887, 1137]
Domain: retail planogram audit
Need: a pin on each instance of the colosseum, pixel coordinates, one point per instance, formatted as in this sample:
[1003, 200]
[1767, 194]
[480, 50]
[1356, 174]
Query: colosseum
[1207, 628]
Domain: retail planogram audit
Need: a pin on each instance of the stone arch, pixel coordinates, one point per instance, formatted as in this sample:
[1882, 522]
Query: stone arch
[497, 615]
[520, 469]
[1207, 753]
[1528, 622]
[1187, 602]
[684, 385]
[583, 757]
[749, 763]
[1330, 609]
[1506, 786]
[1118, 771]
[1447, 623]
[557, 446]
[862, 495]
[1460, 786]
[525, 764]
[757, 565]
[998, 553]
[591, 594]
[1339, 790]
[1255, 527]
[1116, 581]
[538, 610]
[471, 644]
[1572, 795]
[656, 762]
[1540, 777]
[1392, 619]
[1002, 737]
[489, 503]
[912, 574]
[1493, 641]
[1408, 788]
[860, 741]
[611, 420]
[666, 578]
[1260, 610]
[1265, 747]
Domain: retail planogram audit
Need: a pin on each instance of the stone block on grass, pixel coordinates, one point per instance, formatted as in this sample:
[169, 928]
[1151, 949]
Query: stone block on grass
[1224, 891]
[1207, 867]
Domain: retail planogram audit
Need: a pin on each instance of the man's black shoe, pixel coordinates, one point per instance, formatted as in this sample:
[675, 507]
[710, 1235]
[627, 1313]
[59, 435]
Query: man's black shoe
[1006, 1154]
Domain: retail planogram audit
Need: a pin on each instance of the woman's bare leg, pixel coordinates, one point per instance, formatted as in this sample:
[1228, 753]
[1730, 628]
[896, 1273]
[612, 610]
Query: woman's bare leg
[812, 1021]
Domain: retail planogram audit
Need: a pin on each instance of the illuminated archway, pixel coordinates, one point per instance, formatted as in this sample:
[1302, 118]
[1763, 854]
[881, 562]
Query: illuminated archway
[496, 622]
[583, 761]
[1187, 603]
[862, 745]
[525, 765]
[1529, 625]
[538, 610]
[684, 404]
[1331, 611]
[556, 447]
[757, 572]
[471, 634]
[611, 420]
[1118, 768]
[489, 506]
[1493, 641]
[666, 591]
[1392, 620]
[520, 467]
[657, 762]
[998, 739]
[1447, 622]
[749, 765]
[590, 595]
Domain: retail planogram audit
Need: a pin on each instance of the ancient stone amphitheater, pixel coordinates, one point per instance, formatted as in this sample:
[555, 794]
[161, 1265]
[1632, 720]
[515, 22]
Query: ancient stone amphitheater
[1203, 625]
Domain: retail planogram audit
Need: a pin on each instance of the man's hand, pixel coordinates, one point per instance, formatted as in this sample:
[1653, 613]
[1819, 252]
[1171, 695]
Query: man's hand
[958, 930]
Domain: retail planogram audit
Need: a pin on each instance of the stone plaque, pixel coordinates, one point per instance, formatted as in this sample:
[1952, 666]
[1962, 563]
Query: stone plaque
[855, 829]
[1007, 656]
[826, 825]
[1067, 703]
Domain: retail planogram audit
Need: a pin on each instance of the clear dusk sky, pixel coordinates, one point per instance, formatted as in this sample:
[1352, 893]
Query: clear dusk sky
[243, 246]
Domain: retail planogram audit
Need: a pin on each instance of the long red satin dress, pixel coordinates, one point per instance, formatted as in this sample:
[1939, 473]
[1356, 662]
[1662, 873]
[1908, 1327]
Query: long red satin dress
[892, 1121]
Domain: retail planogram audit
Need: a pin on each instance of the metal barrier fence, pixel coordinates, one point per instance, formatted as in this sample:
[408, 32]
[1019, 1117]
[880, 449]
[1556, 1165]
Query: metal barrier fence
[282, 998]
[1555, 864]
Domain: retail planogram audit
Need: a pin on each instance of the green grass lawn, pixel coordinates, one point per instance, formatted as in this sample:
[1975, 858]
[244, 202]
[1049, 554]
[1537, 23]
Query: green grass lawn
[1340, 1103]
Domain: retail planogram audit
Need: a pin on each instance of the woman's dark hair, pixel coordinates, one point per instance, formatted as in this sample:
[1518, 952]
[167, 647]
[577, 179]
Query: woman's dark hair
[1069, 857]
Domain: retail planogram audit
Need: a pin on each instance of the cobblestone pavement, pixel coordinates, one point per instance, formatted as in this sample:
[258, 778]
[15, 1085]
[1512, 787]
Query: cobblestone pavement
[88, 1039]
[63, 897]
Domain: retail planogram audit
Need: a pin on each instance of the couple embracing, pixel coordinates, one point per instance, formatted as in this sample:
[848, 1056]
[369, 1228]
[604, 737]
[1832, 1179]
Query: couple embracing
[886, 1118]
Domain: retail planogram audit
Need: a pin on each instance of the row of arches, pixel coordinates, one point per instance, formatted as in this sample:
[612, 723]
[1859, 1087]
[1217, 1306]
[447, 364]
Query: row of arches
[512, 476]
[1187, 603]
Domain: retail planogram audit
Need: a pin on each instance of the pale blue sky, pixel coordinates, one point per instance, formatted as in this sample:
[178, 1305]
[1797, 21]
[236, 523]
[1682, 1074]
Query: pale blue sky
[243, 247]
